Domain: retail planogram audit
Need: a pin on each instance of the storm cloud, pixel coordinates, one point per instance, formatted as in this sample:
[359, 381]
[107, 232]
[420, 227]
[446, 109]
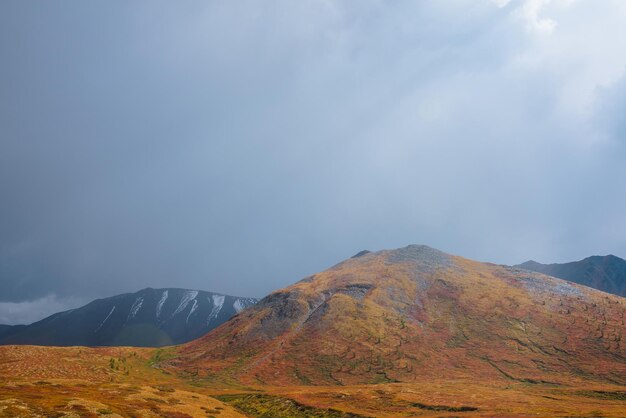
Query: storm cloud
[238, 146]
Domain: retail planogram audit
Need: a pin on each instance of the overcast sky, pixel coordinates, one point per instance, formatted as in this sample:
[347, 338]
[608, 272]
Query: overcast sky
[238, 146]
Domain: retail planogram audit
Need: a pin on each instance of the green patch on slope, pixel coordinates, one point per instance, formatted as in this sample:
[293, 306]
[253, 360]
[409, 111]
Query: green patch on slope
[267, 406]
[445, 408]
[602, 394]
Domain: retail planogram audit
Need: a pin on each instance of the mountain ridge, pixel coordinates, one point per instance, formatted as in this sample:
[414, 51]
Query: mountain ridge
[605, 273]
[148, 317]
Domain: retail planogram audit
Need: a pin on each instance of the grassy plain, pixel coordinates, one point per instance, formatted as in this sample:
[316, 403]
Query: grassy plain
[128, 382]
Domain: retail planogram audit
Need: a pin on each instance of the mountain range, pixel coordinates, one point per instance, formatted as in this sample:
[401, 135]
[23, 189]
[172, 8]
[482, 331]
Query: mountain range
[395, 333]
[606, 273]
[149, 318]
[158, 317]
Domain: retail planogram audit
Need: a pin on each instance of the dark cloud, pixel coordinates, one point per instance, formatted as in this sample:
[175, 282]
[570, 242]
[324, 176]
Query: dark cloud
[32, 311]
[237, 147]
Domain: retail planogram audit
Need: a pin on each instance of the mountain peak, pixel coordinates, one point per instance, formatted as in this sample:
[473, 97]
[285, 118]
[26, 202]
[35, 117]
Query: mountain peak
[418, 252]
[421, 257]
[609, 257]
[529, 263]
[361, 253]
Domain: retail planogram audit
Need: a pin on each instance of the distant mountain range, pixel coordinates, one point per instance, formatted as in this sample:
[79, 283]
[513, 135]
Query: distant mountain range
[147, 318]
[159, 317]
[606, 273]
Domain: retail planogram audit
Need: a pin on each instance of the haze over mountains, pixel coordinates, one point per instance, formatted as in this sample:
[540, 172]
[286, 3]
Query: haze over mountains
[149, 317]
[416, 313]
[606, 273]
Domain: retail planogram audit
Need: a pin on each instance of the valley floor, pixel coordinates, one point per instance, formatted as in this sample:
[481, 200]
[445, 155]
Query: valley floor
[79, 381]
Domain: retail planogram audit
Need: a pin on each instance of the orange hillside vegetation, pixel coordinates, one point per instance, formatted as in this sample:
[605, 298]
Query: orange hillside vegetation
[415, 314]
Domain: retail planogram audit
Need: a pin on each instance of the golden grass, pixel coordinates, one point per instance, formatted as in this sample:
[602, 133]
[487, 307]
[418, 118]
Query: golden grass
[77, 381]
[46, 390]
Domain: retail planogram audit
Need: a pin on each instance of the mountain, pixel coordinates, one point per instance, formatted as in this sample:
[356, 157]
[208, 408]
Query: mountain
[6, 330]
[417, 314]
[147, 318]
[606, 273]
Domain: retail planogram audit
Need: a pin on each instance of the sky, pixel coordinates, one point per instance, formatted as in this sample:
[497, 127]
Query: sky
[238, 146]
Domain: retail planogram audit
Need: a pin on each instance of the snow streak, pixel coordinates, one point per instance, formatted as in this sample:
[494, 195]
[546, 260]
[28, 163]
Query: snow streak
[187, 297]
[105, 319]
[135, 308]
[218, 302]
[161, 302]
[193, 308]
[238, 306]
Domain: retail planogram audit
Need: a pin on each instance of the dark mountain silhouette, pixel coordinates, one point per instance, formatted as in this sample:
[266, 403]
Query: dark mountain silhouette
[150, 318]
[6, 330]
[606, 273]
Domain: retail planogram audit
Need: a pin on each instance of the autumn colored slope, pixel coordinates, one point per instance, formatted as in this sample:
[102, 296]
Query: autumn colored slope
[416, 314]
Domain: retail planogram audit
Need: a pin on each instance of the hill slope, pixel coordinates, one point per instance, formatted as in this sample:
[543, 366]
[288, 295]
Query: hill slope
[415, 314]
[149, 317]
[6, 330]
[606, 273]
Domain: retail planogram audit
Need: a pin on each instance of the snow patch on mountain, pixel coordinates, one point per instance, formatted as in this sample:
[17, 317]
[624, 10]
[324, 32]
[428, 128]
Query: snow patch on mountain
[238, 305]
[218, 302]
[242, 303]
[105, 319]
[161, 302]
[184, 301]
[135, 308]
[193, 309]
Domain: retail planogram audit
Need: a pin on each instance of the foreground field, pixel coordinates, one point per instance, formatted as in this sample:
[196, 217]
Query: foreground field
[127, 382]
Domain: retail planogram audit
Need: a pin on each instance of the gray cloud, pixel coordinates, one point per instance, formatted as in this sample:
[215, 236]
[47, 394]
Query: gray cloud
[30, 311]
[238, 146]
